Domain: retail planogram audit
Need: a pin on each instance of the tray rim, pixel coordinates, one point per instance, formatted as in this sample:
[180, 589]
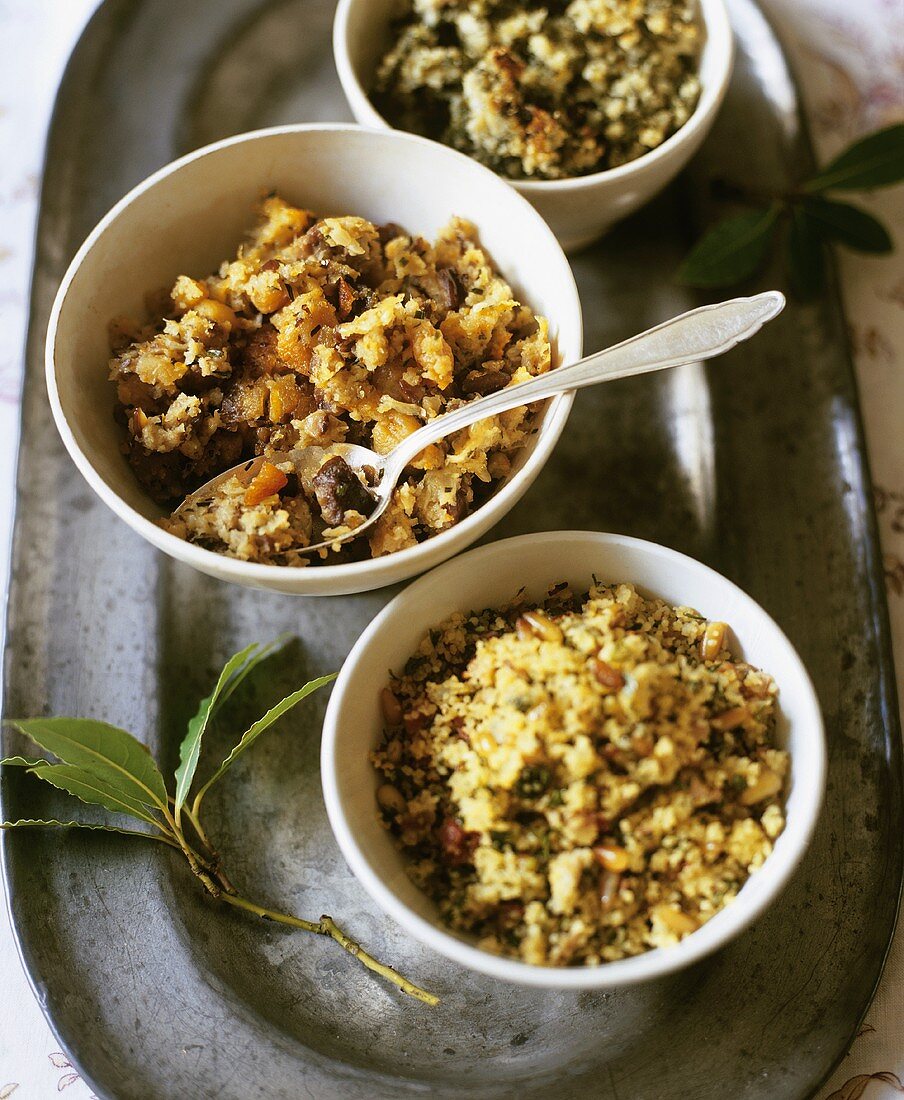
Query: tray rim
[891, 703]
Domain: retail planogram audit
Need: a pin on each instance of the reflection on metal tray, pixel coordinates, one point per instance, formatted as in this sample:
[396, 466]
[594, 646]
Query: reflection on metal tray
[756, 466]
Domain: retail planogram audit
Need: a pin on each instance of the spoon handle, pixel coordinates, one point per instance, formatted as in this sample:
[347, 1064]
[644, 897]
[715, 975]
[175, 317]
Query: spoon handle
[700, 334]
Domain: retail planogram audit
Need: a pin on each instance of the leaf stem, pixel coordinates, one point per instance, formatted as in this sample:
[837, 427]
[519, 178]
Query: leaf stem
[216, 863]
[326, 926]
[194, 861]
[196, 805]
[164, 838]
[199, 829]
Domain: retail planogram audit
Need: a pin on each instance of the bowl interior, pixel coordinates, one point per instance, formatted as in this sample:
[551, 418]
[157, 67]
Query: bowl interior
[489, 576]
[192, 215]
[364, 34]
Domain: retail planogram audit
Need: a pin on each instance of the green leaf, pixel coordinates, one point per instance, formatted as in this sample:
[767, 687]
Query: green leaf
[253, 732]
[875, 161]
[839, 221]
[235, 670]
[94, 790]
[114, 757]
[36, 823]
[263, 652]
[22, 762]
[731, 251]
[806, 256]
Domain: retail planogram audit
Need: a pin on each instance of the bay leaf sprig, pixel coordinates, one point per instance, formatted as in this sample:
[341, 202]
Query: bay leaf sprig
[105, 766]
[803, 221]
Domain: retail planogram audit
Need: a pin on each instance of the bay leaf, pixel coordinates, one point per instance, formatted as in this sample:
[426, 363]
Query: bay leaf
[112, 755]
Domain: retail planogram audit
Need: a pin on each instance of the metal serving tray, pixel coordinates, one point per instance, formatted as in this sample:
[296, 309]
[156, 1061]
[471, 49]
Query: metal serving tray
[755, 465]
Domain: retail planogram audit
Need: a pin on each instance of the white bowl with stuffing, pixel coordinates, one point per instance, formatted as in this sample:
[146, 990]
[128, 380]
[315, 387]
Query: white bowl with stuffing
[589, 112]
[586, 790]
[382, 279]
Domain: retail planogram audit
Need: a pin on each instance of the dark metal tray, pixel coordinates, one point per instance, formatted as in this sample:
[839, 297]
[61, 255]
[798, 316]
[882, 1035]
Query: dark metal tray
[756, 466]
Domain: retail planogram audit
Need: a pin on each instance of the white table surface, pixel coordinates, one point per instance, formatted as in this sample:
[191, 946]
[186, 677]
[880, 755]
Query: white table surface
[850, 58]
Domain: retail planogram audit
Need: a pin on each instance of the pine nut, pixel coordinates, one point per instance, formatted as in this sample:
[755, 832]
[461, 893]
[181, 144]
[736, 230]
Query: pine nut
[534, 624]
[392, 708]
[767, 785]
[729, 719]
[605, 674]
[390, 798]
[713, 641]
[611, 857]
[676, 920]
[484, 742]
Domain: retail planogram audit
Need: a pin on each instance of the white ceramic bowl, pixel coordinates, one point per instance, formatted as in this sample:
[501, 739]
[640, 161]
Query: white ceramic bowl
[582, 208]
[487, 577]
[190, 215]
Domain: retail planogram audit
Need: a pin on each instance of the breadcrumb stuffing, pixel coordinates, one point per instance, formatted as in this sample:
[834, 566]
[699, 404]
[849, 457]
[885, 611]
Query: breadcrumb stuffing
[601, 778]
[320, 332]
[543, 90]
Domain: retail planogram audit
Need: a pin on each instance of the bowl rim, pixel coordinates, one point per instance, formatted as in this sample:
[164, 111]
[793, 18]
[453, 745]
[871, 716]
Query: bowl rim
[657, 962]
[719, 37]
[379, 571]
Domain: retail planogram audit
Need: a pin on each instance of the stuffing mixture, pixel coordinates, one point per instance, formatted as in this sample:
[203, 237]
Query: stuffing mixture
[325, 331]
[581, 781]
[543, 90]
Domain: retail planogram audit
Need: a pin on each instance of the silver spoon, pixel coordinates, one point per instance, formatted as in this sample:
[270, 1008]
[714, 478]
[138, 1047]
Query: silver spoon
[699, 334]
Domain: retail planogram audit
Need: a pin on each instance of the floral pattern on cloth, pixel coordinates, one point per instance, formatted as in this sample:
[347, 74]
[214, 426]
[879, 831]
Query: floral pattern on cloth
[850, 60]
[68, 1076]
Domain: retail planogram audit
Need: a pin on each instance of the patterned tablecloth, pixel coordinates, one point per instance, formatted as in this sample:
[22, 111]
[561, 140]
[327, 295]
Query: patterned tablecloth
[850, 58]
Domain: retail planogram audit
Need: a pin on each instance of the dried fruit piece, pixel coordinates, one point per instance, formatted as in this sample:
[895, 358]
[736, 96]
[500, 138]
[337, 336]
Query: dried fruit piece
[269, 480]
[285, 397]
[347, 298]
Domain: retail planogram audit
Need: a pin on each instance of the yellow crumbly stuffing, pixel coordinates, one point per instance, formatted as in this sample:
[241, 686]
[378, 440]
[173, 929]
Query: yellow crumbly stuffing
[325, 331]
[544, 90]
[582, 781]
